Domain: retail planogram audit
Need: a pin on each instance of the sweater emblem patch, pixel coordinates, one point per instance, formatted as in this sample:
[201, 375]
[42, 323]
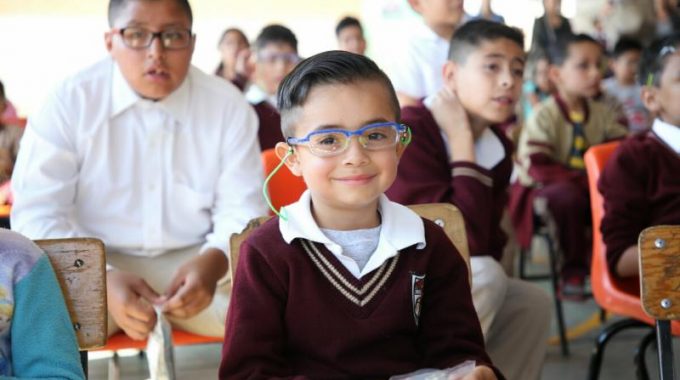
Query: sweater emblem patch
[417, 288]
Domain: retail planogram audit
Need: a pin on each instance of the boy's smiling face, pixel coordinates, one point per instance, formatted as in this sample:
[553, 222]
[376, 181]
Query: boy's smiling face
[581, 72]
[154, 72]
[354, 179]
[489, 81]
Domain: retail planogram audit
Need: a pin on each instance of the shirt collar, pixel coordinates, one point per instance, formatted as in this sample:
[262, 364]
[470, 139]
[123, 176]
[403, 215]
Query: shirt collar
[668, 133]
[401, 228]
[256, 95]
[176, 104]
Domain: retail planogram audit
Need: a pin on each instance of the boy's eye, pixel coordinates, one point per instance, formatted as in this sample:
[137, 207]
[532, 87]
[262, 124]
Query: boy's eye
[327, 139]
[173, 35]
[491, 67]
[376, 136]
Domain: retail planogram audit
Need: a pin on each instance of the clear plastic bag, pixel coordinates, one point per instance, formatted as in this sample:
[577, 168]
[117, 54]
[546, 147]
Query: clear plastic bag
[159, 350]
[453, 373]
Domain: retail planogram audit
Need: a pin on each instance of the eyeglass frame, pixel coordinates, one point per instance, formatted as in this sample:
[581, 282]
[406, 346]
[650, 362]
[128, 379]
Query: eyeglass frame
[403, 135]
[154, 35]
[290, 58]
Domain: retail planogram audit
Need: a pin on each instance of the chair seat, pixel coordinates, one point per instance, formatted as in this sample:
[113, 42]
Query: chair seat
[120, 341]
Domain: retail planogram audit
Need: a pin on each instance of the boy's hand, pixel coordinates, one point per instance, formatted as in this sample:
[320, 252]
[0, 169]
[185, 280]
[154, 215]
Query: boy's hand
[453, 120]
[481, 373]
[194, 283]
[130, 301]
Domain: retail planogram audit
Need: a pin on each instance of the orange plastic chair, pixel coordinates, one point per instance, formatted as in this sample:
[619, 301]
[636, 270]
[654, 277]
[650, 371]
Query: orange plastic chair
[612, 294]
[285, 187]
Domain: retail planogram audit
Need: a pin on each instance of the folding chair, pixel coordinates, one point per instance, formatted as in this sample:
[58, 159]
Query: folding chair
[80, 267]
[659, 248]
[614, 295]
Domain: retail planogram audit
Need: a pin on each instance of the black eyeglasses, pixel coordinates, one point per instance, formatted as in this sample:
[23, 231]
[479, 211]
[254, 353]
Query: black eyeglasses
[141, 38]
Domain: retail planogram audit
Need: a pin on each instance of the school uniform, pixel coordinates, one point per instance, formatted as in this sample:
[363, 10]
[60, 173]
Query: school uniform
[641, 188]
[551, 166]
[269, 130]
[302, 309]
[504, 306]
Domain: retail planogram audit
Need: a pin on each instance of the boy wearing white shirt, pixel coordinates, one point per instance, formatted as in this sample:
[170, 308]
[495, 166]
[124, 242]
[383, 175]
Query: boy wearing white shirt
[145, 151]
[640, 183]
[347, 284]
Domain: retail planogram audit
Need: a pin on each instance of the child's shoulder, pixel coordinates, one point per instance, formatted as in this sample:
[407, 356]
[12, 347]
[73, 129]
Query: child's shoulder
[18, 252]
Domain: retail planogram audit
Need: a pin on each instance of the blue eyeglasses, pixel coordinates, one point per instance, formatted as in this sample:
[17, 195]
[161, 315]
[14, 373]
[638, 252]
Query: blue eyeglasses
[376, 136]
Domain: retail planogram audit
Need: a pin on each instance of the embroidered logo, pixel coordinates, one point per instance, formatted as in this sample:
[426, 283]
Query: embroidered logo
[417, 288]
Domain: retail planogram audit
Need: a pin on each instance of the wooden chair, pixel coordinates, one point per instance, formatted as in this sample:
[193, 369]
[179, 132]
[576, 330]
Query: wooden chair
[659, 248]
[80, 267]
[445, 215]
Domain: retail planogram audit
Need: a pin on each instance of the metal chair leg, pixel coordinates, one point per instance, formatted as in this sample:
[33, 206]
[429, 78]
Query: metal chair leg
[83, 362]
[559, 310]
[639, 357]
[665, 346]
[603, 338]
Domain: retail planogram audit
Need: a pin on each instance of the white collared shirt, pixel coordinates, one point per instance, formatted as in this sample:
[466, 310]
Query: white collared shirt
[416, 69]
[256, 95]
[670, 134]
[401, 228]
[144, 176]
[489, 150]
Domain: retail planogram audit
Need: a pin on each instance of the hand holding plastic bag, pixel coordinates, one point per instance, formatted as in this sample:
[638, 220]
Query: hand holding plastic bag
[159, 349]
[453, 373]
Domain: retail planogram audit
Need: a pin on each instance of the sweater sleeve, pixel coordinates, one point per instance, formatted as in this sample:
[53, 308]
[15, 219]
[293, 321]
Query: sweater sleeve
[43, 343]
[255, 334]
[425, 175]
[626, 209]
[450, 332]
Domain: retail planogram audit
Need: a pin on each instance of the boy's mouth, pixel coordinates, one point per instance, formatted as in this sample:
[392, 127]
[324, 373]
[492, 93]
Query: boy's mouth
[361, 178]
[157, 73]
[504, 100]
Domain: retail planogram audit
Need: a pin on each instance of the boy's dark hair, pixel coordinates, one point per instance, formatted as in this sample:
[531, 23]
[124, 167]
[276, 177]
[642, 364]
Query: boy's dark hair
[473, 33]
[346, 22]
[275, 34]
[327, 68]
[559, 52]
[624, 45]
[653, 59]
[115, 6]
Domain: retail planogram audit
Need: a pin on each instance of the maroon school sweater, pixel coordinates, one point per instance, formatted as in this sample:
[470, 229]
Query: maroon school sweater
[301, 314]
[641, 188]
[269, 131]
[426, 175]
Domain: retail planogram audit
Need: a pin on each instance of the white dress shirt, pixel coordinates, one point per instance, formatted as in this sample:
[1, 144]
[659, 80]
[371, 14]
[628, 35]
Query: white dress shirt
[401, 227]
[144, 176]
[416, 70]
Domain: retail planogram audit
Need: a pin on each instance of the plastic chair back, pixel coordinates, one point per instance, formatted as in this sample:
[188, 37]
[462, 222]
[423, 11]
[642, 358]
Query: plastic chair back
[285, 187]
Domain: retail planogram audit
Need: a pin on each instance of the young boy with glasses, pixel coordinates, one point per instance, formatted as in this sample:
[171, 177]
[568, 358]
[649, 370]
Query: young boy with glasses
[346, 283]
[275, 54]
[640, 184]
[156, 158]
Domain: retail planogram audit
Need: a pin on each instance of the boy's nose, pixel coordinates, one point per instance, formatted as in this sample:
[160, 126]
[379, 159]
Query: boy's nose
[355, 153]
[156, 49]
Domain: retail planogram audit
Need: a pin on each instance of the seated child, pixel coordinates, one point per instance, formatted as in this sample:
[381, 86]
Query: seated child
[460, 155]
[235, 63]
[276, 55]
[347, 284]
[624, 64]
[550, 153]
[350, 35]
[640, 184]
[538, 87]
[37, 339]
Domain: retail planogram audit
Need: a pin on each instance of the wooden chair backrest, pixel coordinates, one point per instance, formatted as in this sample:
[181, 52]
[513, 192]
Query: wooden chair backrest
[659, 248]
[80, 266]
[445, 215]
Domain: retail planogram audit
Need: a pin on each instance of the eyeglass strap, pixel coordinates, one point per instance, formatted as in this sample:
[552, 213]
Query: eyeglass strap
[265, 188]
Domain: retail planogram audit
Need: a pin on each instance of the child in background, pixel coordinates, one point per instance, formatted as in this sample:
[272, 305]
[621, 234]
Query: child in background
[7, 110]
[417, 69]
[460, 155]
[640, 183]
[538, 87]
[235, 65]
[624, 64]
[350, 35]
[37, 339]
[550, 155]
[346, 283]
[276, 55]
[10, 136]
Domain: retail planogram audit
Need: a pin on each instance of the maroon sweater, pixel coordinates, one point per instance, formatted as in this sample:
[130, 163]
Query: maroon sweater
[288, 318]
[426, 175]
[269, 131]
[641, 188]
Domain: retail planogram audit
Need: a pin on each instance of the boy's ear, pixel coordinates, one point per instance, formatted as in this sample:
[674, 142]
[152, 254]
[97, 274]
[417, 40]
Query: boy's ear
[648, 94]
[287, 152]
[108, 40]
[554, 74]
[415, 4]
[449, 72]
